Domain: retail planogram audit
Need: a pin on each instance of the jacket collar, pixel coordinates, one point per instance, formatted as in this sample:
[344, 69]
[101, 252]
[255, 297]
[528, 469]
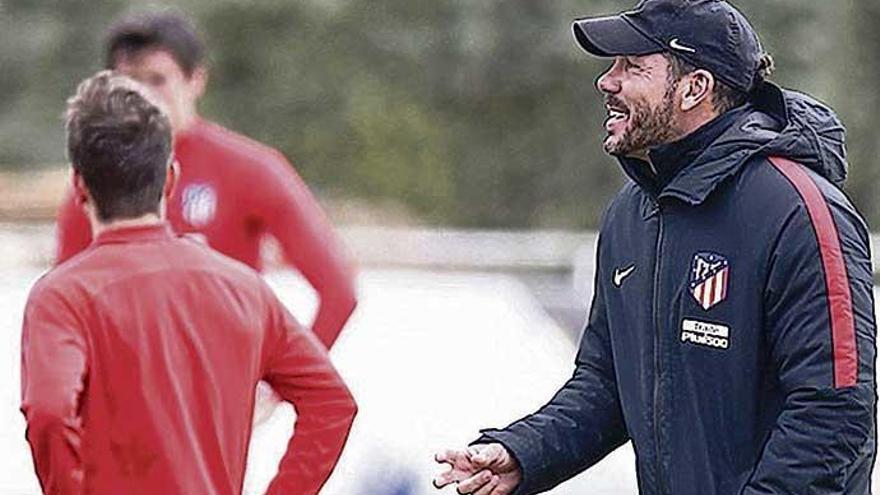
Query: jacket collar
[141, 233]
[684, 169]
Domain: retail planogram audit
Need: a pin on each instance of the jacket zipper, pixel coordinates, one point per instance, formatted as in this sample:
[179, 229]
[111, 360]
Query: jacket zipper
[657, 343]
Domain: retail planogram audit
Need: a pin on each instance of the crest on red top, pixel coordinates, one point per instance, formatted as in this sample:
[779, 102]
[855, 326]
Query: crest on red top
[199, 204]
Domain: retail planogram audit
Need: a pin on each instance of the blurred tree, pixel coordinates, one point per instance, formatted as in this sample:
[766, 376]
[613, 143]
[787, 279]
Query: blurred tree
[472, 113]
[857, 74]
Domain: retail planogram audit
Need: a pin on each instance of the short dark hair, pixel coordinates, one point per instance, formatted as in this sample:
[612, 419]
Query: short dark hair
[167, 30]
[119, 141]
[726, 97]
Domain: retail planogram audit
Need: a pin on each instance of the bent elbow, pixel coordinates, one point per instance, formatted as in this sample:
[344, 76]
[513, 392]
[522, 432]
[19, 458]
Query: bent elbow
[350, 305]
[337, 410]
[347, 299]
[352, 410]
[340, 299]
[47, 418]
[348, 407]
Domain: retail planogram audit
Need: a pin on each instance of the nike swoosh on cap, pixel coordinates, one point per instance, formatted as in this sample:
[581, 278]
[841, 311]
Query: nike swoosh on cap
[676, 45]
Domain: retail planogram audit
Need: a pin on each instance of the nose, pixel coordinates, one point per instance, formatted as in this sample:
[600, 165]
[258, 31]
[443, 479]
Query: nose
[608, 82]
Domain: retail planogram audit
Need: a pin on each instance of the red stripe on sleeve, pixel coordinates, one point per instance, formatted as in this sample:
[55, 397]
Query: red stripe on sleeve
[843, 335]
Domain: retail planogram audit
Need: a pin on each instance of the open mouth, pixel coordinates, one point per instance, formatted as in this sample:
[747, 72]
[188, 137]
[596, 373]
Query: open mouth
[617, 113]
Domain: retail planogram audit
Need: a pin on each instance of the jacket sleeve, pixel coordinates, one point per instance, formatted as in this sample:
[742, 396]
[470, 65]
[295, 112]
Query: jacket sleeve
[581, 424]
[292, 215]
[72, 230]
[299, 370]
[53, 373]
[820, 328]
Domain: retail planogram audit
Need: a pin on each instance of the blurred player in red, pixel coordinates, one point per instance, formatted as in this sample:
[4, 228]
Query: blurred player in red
[231, 189]
[141, 354]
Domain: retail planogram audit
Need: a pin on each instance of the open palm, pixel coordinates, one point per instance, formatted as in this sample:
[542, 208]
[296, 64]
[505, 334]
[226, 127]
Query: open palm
[486, 469]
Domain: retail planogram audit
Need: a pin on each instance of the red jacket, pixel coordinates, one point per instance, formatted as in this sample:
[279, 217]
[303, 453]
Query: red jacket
[139, 362]
[234, 190]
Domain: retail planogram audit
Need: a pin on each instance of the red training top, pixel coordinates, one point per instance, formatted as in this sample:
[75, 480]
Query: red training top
[139, 362]
[234, 190]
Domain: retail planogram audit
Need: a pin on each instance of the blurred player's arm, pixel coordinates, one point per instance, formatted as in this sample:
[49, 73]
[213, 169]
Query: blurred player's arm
[53, 372]
[294, 218]
[581, 424]
[299, 370]
[72, 230]
[826, 372]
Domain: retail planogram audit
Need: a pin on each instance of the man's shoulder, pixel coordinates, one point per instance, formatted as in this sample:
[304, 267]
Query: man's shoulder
[236, 147]
[803, 189]
[101, 266]
[780, 183]
[60, 283]
[196, 255]
[628, 194]
[630, 199]
[211, 269]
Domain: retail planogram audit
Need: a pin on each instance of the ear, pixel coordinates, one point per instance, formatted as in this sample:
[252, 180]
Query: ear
[80, 192]
[171, 175]
[697, 87]
[199, 81]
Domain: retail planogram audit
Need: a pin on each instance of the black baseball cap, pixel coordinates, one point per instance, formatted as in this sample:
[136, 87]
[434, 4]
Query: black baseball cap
[709, 34]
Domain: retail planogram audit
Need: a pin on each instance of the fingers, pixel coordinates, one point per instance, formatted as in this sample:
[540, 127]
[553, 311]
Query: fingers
[489, 488]
[444, 479]
[451, 457]
[472, 469]
[475, 450]
[487, 455]
[476, 482]
[461, 467]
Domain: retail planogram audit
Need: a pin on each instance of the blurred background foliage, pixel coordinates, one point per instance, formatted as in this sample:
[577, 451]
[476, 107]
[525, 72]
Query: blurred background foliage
[473, 113]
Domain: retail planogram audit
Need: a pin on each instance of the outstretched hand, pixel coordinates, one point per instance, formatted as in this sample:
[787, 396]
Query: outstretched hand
[483, 469]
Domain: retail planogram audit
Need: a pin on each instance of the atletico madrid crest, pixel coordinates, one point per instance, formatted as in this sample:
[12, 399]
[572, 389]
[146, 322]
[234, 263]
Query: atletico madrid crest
[709, 275]
[199, 204]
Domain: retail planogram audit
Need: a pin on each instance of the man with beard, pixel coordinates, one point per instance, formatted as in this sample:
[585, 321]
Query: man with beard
[731, 335]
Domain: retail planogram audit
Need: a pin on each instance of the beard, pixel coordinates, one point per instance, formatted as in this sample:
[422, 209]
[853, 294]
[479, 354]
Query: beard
[647, 127]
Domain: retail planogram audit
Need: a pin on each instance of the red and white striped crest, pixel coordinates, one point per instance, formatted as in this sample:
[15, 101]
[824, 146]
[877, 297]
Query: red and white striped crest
[709, 275]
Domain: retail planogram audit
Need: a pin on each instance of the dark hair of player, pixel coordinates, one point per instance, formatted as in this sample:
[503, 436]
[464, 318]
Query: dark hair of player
[119, 141]
[169, 31]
